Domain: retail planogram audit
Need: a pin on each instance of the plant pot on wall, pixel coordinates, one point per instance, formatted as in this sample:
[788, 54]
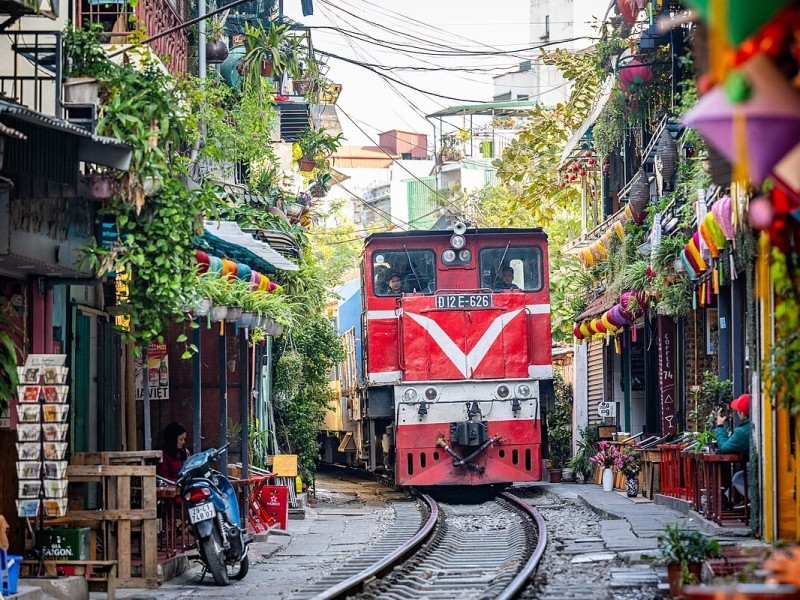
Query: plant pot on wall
[554, 475]
[234, 312]
[219, 312]
[216, 52]
[81, 90]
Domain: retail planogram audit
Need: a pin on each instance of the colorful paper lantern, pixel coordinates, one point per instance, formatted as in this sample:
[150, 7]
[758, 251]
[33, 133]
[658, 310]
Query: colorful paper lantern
[761, 213]
[215, 266]
[629, 9]
[688, 266]
[744, 17]
[770, 119]
[202, 261]
[229, 268]
[723, 213]
[717, 235]
[255, 279]
[243, 271]
[633, 74]
[577, 332]
[584, 329]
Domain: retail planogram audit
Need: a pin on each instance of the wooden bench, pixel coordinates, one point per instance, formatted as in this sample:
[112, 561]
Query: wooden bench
[100, 574]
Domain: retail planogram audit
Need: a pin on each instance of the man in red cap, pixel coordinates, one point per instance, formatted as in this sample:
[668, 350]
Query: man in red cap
[737, 442]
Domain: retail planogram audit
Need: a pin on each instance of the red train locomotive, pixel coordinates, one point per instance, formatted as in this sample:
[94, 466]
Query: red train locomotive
[455, 330]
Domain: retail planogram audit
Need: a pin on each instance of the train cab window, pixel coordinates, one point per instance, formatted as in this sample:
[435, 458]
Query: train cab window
[511, 269]
[412, 271]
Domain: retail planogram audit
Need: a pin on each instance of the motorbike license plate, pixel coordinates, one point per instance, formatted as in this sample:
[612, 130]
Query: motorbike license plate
[201, 512]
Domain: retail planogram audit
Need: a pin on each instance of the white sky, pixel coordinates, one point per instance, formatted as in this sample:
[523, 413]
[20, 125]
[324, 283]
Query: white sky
[462, 24]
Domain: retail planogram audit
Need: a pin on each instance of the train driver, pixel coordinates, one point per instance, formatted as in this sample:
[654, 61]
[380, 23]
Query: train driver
[395, 284]
[506, 280]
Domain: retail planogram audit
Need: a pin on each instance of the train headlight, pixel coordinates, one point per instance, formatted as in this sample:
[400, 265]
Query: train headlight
[523, 390]
[458, 242]
[502, 391]
[448, 256]
[410, 395]
[465, 256]
[431, 394]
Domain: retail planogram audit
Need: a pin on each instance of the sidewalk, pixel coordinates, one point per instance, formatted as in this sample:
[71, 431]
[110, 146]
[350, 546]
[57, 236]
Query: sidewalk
[633, 525]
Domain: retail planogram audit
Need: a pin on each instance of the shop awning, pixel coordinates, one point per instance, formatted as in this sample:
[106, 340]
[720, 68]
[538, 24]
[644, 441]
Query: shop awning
[95, 149]
[227, 239]
[597, 307]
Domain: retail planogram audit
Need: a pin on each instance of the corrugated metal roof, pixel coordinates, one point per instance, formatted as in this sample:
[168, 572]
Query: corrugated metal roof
[229, 232]
[516, 108]
[92, 148]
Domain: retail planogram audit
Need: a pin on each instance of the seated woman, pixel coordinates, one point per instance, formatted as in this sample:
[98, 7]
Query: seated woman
[175, 452]
[736, 442]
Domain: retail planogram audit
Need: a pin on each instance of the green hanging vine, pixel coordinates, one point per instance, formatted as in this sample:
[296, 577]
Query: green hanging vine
[784, 368]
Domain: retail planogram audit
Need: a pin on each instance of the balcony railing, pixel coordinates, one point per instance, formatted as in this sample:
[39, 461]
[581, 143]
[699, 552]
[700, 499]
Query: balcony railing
[30, 76]
[120, 19]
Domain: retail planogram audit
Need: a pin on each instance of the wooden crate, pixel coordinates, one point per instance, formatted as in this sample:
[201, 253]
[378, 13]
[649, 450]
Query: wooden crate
[121, 515]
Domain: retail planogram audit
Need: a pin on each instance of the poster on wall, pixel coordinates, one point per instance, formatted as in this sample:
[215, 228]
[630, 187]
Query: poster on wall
[157, 373]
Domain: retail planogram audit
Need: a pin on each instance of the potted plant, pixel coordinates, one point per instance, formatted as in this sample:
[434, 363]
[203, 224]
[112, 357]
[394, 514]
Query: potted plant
[316, 145]
[683, 551]
[581, 463]
[604, 458]
[321, 184]
[298, 205]
[216, 45]
[86, 64]
[628, 462]
[272, 52]
[559, 442]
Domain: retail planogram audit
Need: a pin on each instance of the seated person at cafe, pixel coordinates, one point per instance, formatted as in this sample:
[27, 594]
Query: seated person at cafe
[506, 280]
[737, 442]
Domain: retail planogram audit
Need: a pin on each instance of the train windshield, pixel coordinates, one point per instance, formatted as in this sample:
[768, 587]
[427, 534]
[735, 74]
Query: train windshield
[508, 268]
[398, 272]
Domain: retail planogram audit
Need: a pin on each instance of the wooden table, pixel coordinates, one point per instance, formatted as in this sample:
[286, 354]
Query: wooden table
[717, 475]
[651, 463]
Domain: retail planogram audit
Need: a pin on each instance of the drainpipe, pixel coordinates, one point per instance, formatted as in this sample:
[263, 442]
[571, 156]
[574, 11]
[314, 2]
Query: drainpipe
[197, 404]
[222, 355]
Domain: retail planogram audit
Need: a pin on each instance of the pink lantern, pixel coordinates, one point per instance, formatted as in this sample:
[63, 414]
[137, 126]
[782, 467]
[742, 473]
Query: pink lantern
[255, 279]
[633, 74]
[722, 210]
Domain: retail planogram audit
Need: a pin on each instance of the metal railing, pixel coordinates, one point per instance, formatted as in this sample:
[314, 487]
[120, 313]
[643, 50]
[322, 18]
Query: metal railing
[32, 77]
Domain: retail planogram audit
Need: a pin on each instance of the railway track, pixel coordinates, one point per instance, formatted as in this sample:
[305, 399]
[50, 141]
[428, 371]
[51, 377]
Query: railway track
[444, 550]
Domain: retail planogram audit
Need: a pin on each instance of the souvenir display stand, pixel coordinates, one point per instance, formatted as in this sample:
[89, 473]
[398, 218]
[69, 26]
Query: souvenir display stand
[42, 413]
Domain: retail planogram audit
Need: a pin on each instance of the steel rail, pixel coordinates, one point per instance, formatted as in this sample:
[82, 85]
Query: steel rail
[356, 583]
[526, 573]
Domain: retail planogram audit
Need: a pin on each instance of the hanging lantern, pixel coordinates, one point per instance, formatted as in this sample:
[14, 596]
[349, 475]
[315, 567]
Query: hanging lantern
[202, 261]
[639, 196]
[722, 210]
[255, 279]
[229, 268]
[667, 151]
[215, 266]
[629, 9]
[717, 235]
[745, 17]
[600, 326]
[584, 328]
[634, 74]
[761, 213]
[577, 332]
[243, 271]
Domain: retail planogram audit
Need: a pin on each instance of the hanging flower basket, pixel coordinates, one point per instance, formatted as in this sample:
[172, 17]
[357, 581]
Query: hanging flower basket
[234, 312]
[246, 319]
[219, 312]
[294, 210]
[202, 307]
[307, 165]
[100, 186]
[266, 68]
[216, 52]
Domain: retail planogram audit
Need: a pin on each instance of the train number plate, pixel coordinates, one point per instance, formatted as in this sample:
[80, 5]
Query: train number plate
[464, 301]
[201, 512]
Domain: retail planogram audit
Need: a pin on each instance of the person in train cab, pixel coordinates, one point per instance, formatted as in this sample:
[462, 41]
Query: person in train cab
[395, 284]
[506, 280]
[736, 442]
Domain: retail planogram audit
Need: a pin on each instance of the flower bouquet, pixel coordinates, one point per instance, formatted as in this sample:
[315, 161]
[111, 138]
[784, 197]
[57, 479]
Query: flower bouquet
[628, 462]
[606, 456]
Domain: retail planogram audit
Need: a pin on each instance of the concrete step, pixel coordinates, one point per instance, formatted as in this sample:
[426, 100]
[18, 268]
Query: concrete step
[26, 592]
